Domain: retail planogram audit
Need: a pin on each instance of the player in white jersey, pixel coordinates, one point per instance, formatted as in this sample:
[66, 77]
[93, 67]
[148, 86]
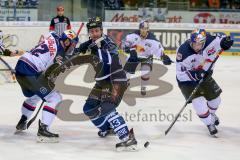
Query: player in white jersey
[30, 74]
[141, 46]
[194, 57]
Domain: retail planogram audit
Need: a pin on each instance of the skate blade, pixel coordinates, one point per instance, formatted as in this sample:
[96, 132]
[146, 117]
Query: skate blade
[214, 136]
[41, 139]
[132, 148]
[19, 132]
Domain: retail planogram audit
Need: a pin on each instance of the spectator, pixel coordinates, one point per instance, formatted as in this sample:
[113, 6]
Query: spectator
[114, 4]
[60, 23]
[214, 4]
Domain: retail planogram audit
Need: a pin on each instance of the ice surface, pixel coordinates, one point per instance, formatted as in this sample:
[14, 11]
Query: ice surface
[186, 141]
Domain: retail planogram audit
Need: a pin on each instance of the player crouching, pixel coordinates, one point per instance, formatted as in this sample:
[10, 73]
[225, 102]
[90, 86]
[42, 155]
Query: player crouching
[30, 74]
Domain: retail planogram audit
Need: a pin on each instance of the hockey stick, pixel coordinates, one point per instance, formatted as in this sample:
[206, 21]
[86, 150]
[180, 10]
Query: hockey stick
[35, 116]
[9, 69]
[153, 58]
[80, 28]
[193, 92]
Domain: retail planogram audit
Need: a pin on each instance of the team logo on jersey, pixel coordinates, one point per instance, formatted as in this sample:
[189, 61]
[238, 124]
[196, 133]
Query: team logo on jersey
[43, 90]
[179, 56]
[211, 51]
[56, 20]
[148, 45]
[139, 48]
[59, 59]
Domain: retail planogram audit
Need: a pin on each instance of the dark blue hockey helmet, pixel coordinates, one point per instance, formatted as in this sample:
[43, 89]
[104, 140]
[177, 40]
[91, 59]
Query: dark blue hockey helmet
[198, 36]
[94, 23]
[69, 35]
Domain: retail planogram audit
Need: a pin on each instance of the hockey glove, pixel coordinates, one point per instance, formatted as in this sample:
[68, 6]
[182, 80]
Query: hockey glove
[166, 60]
[6, 52]
[199, 74]
[226, 43]
[133, 55]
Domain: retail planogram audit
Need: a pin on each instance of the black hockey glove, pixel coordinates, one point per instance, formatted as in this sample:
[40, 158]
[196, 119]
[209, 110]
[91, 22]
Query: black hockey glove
[166, 60]
[133, 55]
[6, 52]
[226, 43]
[199, 74]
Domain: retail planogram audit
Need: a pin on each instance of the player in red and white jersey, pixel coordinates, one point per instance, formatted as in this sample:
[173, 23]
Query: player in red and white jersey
[30, 74]
[141, 46]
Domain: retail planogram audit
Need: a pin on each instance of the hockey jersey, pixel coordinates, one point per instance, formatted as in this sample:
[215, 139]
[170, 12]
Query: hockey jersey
[44, 54]
[188, 60]
[107, 59]
[144, 47]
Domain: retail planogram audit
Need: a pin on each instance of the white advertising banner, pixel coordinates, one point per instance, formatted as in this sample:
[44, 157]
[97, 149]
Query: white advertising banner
[161, 15]
[121, 16]
[203, 17]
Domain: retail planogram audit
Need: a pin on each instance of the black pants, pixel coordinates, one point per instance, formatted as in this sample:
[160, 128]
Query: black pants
[208, 89]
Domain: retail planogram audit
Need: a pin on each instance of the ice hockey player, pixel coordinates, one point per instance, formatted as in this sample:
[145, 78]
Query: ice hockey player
[194, 57]
[141, 46]
[6, 52]
[111, 83]
[31, 75]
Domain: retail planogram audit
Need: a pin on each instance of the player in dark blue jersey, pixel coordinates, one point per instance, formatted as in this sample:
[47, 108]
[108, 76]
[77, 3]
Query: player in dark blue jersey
[111, 83]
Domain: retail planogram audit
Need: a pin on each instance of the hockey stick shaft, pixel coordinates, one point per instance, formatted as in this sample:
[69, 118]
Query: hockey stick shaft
[193, 93]
[80, 28]
[9, 69]
[35, 116]
[7, 65]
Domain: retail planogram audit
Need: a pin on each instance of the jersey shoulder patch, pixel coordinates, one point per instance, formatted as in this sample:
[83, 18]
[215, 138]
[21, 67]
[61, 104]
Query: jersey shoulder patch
[184, 51]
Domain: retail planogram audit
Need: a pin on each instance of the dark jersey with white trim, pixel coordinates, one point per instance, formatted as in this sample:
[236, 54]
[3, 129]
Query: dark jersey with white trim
[109, 64]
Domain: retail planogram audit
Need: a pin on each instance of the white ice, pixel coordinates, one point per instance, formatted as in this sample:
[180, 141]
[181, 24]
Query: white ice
[186, 141]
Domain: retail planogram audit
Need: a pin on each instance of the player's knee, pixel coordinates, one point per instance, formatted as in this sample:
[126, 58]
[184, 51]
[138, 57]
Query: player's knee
[200, 106]
[214, 103]
[90, 107]
[33, 100]
[53, 98]
[145, 72]
[145, 77]
[101, 123]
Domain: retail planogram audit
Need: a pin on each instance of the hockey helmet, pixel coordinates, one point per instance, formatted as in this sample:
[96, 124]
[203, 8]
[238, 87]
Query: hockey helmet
[70, 40]
[144, 25]
[198, 39]
[198, 36]
[94, 23]
[69, 35]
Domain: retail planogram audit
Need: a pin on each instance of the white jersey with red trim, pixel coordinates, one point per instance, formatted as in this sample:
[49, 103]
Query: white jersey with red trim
[43, 55]
[144, 47]
[188, 60]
